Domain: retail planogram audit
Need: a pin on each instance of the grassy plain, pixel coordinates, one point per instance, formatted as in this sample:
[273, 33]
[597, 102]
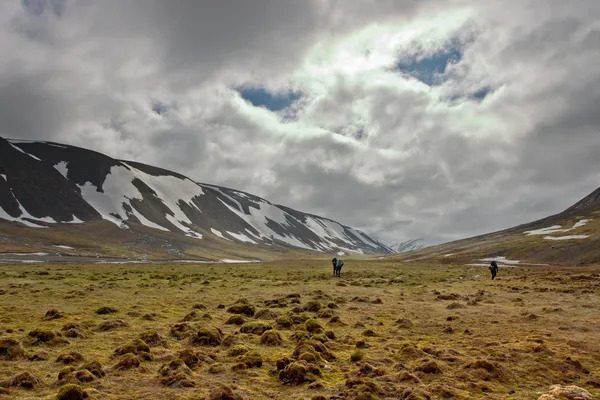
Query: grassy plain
[385, 330]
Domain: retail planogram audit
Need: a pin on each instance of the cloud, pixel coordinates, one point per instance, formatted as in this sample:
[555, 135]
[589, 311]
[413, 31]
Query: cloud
[490, 122]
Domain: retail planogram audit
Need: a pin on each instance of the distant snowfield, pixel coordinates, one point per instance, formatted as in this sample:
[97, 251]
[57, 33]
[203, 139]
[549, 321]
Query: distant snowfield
[565, 237]
[62, 246]
[501, 259]
[556, 228]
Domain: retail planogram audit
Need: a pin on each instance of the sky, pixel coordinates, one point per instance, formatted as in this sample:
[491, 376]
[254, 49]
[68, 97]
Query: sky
[429, 119]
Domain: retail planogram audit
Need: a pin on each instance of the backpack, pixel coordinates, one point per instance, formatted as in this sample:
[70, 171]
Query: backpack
[340, 264]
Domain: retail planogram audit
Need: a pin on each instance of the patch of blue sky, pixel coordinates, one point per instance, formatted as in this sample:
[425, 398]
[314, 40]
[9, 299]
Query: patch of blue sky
[260, 97]
[429, 69]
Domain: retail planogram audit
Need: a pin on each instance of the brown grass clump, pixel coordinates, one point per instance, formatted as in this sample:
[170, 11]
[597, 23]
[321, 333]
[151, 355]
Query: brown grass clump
[404, 323]
[299, 318]
[74, 333]
[310, 357]
[40, 336]
[312, 306]
[255, 327]
[356, 356]
[242, 308]
[313, 346]
[189, 357]
[181, 331]
[111, 325]
[216, 368]
[238, 350]
[10, 350]
[223, 392]
[265, 313]
[104, 310]
[25, 380]
[95, 368]
[71, 392]
[284, 322]
[313, 326]
[153, 339]
[455, 305]
[429, 367]
[176, 374]
[66, 373]
[128, 361]
[369, 333]
[451, 296]
[271, 338]
[325, 313]
[39, 356]
[231, 340]
[83, 375]
[236, 320]
[252, 359]
[319, 337]
[70, 358]
[137, 347]
[406, 376]
[53, 313]
[207, 337]
[299, 372]
[487, 370]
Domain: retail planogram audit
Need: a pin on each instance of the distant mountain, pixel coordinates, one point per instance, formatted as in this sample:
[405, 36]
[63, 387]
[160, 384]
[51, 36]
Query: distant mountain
[46, 185]
[569, 237]
[409, 245]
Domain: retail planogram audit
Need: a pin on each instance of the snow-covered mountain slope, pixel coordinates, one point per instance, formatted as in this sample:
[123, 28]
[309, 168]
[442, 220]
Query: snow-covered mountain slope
[409, 245]
[45, 184]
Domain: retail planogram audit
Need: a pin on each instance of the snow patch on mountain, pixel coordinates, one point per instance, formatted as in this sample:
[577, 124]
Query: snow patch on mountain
[556, 228]
[63, 168]
[119, 190]
[22, 151]
[241, 237]
[146, 222]
[259, 218]
[219, 234]
[565, 237]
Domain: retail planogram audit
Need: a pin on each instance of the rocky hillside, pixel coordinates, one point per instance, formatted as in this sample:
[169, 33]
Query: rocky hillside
[47, 185]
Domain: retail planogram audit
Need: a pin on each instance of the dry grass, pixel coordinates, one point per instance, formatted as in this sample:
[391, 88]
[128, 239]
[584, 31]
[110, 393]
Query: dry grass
[384, 330]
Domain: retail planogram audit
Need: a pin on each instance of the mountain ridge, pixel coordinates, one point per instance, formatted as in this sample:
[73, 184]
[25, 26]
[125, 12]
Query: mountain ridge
[46, 183]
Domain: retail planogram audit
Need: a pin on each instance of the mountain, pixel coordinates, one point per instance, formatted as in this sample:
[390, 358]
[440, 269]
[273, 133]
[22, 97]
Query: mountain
[569, 237]
[49, 188]
[409, 245]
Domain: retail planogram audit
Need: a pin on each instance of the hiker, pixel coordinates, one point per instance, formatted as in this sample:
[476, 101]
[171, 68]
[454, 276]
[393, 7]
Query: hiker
[494, 269]
[337, 267]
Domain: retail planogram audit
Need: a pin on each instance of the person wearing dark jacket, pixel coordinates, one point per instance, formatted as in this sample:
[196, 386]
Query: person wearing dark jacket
[493, 269]
[337, 267]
